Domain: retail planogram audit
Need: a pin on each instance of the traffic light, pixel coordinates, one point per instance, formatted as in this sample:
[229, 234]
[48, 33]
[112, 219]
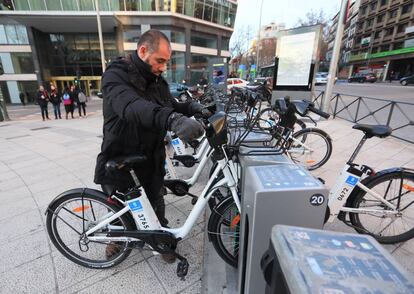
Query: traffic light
[76, 82]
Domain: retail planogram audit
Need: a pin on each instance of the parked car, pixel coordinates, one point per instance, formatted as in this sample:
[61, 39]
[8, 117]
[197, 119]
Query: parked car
[321, 78]
[407, 80]
[178, 91]
[259, 81]
[236, 82]
[362, 78]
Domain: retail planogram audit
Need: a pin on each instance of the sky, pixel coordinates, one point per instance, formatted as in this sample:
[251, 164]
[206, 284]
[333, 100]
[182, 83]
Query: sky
[286, 11]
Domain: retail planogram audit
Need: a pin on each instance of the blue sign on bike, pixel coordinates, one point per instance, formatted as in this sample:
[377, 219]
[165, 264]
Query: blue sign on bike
[135, 205]
[175, 141]
[352, 180]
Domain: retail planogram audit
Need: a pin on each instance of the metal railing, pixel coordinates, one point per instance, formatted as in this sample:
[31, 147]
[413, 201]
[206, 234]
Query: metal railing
[359, 109]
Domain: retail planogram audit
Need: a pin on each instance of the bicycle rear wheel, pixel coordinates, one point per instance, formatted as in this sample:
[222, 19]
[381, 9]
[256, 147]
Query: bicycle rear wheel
[224, 228]
[396, 187]
[311, 147]
[72, 215]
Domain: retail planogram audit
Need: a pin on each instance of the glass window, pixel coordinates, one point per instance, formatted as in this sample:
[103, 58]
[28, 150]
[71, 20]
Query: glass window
[11, 34]
[373, 6]
[189, 7]
[132, 34]
[176, 68]
[104, 5]
[22, 63]
[398, 45]
[86, 5]
[3, 38]
[22, 34]
[29, 88]
[198, 9]
[363, 10]
[132, 5]
[406, 8]
[70, 5]
[225, 43]
[53, 5]
[401, 28]
[148, 5]
[377, 35]
[384, 2]
[37, 4]
[179, 6]
[21, 5]
[175, 35]
[6, 5]
[393, 13]
[203, 41]
[385, 48]
[208, 10]
[199, 64]
[380, 18]
[117, 5]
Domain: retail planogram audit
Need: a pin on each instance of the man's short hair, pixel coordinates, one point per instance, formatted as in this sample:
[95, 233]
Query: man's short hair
[151, 40]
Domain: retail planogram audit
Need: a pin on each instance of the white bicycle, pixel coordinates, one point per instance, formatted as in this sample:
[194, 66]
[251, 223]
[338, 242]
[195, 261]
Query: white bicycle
[378, 203]
[82, 222]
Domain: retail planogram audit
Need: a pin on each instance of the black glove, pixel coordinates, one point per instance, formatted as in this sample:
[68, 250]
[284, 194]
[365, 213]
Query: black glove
[185, 128]
[196, 108]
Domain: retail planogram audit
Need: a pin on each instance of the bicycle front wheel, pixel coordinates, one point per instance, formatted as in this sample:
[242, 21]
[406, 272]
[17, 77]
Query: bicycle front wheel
[72, 215]
[224, 228]
[396, 187]
[310, 147]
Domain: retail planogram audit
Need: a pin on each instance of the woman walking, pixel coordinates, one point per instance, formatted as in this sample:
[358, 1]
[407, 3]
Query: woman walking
[55, 99]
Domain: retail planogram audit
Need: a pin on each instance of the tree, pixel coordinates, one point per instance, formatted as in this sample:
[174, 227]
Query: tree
[239, 43]
[314, 18]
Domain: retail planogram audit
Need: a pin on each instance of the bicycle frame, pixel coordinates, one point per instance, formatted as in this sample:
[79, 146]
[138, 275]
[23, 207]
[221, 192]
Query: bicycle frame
[343, 188]
[146, 219]
[205, 155]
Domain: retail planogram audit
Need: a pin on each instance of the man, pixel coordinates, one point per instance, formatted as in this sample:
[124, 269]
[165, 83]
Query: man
[43, 99]
[138, 110]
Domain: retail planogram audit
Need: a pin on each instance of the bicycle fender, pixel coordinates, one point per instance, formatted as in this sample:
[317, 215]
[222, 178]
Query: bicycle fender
[222, 203]
[367, 180]
[90, 191]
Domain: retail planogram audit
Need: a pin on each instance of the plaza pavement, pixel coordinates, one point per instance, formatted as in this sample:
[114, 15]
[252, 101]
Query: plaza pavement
[39, 160]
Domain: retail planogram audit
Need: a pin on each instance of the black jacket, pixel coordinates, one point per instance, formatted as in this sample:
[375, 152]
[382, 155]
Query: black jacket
[55, 97]
[42, 98]
[136, 107]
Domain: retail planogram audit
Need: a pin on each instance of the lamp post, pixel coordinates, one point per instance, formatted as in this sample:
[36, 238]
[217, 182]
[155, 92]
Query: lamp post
[258, 38]
[98, 18]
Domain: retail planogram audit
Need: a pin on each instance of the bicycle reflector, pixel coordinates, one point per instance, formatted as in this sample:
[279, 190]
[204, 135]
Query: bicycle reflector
[235, 221]
[408, 187]
[81, 208]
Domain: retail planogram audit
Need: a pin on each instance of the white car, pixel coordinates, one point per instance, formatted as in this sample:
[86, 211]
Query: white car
[321, 78]
[236, 82]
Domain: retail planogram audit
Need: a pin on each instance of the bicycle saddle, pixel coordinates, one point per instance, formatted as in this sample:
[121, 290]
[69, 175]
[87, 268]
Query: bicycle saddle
[370, 131]
[124, 162]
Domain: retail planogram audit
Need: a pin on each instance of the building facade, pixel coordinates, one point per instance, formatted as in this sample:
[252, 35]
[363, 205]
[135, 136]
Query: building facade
[56, 41]
[384, 39]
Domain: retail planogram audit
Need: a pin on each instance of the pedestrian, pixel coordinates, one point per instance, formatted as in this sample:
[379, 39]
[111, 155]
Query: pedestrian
[82, 103]
[55, 99]
[43, 100]
[390, 76]
[22, 98]
[68, 103]
[138, 110]
[74, 96]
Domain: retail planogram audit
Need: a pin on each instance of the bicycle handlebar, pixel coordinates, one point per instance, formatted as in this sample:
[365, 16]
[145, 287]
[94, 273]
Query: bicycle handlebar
[319, 112]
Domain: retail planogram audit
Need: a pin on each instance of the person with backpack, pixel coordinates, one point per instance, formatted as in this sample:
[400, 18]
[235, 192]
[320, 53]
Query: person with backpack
[73, 93]
[82, 103]
[55, 99]
[68, 103]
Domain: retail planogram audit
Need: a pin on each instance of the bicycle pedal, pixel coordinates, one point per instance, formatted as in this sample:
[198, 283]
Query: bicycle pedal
[182, 268]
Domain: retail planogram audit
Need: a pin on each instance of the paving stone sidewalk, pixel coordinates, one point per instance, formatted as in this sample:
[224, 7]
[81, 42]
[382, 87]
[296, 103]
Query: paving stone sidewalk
[39, 160]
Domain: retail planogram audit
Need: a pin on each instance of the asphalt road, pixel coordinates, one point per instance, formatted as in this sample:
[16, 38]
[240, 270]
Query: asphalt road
[389, 91]
[399, 116]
